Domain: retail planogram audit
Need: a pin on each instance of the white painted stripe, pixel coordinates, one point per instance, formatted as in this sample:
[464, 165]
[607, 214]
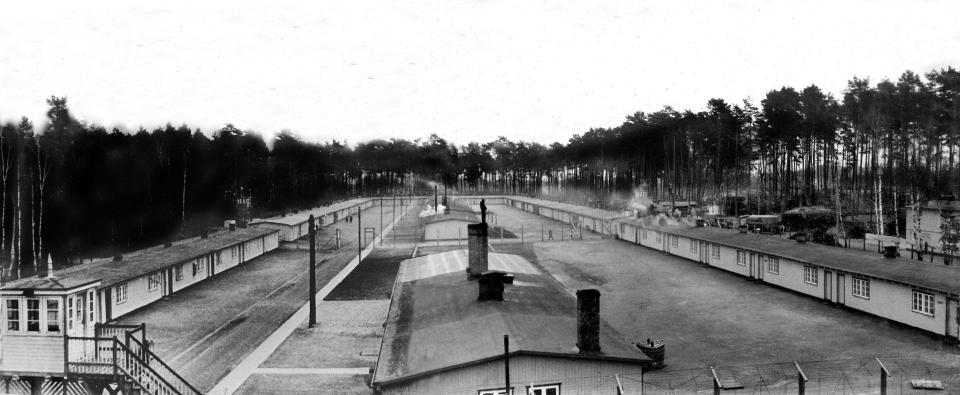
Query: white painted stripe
[318, 371]
[233, 380]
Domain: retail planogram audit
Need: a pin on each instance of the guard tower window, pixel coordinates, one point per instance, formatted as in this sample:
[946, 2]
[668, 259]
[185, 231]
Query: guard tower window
[53, 315]
[13, 315]
[33, 315]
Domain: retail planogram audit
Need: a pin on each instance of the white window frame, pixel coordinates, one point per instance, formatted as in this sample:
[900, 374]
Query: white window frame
[19, 317]
[741, 258]
[542, 388]
[693, 245]
[923, 303]
[494, 391]
[153, 282]
[41, 315]
[860, 287]
[811, 275]
[178, 273]
[773, 265]
[45, 314]
[120, 293]
[716, 251]
[674, 241]
[91, 306]
[659, 237]
[70, 312]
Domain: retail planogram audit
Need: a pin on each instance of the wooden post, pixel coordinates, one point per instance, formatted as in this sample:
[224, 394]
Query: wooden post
[801, 380]
[506, 363]
[359, 235]
[716, 382]
[883, 377]
[313, 271]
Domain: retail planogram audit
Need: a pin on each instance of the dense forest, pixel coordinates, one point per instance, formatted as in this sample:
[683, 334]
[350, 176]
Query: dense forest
[69, 189]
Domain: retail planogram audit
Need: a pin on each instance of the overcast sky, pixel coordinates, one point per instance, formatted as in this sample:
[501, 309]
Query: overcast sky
[466, 70]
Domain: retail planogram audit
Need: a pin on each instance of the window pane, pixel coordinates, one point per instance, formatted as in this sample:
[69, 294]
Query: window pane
[53, 315]
[13, 315]
[33, 315]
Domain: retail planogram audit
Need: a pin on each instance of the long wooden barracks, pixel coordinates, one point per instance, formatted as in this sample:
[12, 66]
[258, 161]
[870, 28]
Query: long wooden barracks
[473, 322]
[921, 295]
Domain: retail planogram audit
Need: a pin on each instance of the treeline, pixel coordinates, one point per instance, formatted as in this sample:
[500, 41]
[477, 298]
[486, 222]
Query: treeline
[72, 189]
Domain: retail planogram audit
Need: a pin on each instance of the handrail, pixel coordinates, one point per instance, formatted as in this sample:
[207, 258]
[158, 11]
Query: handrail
[134, 364]
[153, 357]
[135, 380]
[144, 365]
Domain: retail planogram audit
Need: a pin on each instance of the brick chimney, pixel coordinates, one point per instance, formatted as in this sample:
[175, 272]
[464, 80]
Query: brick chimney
[476, 249]
[588, 320]
[491, 285]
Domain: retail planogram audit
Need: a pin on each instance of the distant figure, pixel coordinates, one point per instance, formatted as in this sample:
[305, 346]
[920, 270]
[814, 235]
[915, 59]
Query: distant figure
[483, 211]
[550, 234]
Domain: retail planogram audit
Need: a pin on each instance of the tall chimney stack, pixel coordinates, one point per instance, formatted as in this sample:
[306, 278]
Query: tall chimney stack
[588, 320]
[476, 249]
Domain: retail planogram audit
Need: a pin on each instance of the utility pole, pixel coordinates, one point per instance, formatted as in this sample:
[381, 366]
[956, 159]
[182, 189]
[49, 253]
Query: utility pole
[313, 273]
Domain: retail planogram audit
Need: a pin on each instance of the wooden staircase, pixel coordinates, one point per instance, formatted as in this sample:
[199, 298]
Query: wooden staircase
[117, 361]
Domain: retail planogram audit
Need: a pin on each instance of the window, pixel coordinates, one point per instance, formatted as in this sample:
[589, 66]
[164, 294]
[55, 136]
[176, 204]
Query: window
[659, 237]
[70, 313]
[178, 272]
[693, 245]
[674, 241]
[549, 389]
[90, 306]
[53, 315]
[716, 252]
[643, 234]
[153, 282]
[198, 267]
[33, 315]
[13, 315]
[80, 303]
[233, 252]
[773, 265]
[216, 259]
[922, 303]
[861, 287]
[810, 275]
[495, 391]
[742, 258]
[121, 292]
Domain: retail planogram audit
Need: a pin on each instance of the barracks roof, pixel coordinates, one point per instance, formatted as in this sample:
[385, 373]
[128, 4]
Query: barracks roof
[139, 263]
[866, 263]
[435, 322]
[302, 216]
[579, 210]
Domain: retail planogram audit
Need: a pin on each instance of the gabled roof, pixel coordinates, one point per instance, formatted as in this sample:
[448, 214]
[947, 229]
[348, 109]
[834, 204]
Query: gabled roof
[570, 208]
[303, 216]
[867, 263]
[139, 263]
[452, 216]
[436, 324]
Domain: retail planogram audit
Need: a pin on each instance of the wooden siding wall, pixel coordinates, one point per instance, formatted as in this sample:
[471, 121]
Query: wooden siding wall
[39, 354]
[888, 299]
[575, 376]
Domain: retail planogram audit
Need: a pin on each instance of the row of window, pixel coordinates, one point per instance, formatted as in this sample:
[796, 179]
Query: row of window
[922, 302]
[33, 315]
[545, 389]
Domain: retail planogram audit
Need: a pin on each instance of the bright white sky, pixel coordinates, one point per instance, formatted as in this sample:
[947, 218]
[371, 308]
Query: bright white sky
[468, 70]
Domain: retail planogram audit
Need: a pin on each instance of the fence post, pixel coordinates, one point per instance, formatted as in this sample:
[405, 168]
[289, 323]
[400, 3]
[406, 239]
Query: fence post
[716, 382]
[801, 380]
[883, 377]
[541, 232]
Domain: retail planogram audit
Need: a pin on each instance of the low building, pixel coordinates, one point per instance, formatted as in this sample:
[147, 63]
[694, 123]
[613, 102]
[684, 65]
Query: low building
[449, 226]
[296, 225]
[445, 333]
[925, 222]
